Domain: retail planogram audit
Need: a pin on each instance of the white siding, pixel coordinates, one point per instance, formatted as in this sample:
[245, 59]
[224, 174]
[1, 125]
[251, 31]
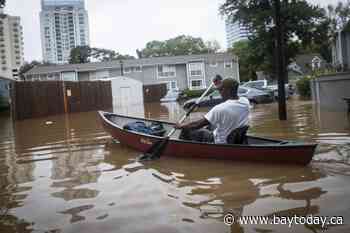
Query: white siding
[127, 96]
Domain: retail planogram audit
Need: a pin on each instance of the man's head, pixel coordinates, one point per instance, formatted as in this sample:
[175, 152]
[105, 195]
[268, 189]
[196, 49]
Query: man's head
[228, 88]
[217, 80]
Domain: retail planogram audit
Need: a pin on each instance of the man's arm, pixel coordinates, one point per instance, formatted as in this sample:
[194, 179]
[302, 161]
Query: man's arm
[193, 125]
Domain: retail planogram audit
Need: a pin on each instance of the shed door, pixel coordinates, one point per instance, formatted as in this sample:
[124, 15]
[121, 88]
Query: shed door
[125, 93]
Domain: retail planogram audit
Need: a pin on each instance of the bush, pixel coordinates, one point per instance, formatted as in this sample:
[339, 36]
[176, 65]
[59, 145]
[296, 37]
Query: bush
[303, 86]
[3, 103]
[188, 94]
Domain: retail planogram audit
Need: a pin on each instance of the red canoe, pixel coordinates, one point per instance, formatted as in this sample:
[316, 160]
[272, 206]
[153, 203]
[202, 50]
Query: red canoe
[257, 149]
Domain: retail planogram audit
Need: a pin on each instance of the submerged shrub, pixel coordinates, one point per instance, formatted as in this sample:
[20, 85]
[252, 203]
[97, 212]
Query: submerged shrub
[188, 94]
[303, 86]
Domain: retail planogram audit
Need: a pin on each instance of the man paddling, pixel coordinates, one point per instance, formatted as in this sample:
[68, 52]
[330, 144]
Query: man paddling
[224, 118]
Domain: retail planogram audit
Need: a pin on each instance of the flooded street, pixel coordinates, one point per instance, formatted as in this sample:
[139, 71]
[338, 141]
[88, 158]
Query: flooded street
[65, 174]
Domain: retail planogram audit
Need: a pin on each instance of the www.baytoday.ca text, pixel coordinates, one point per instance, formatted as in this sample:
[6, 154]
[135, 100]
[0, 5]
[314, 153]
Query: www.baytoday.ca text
[322, 221]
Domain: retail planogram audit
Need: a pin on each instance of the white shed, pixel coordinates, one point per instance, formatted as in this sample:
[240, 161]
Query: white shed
[127, 96]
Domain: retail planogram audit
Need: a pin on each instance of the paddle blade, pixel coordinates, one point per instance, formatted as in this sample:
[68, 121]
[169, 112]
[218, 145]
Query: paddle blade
[155, 150]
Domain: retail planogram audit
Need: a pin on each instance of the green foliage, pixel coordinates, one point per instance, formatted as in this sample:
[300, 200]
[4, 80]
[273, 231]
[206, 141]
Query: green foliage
[29, 65]
[3, 103]
[84, 54]
[303, 86]
[80, 54]
[2, 3]
[188, 94]
[212, 46]
[108, 55]
[26, 67]
[180, 45]
[248, 65]
[303, 25]
[339, 15]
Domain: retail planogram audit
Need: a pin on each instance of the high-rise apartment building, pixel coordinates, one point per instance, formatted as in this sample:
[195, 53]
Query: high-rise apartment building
[64, 25]
[235, 32]
[11, 45]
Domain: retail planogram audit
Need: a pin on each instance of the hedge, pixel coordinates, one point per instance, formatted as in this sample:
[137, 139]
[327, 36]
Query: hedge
[303, 85]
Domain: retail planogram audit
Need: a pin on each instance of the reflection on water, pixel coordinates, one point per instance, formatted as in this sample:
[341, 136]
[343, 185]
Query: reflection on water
[69, 176]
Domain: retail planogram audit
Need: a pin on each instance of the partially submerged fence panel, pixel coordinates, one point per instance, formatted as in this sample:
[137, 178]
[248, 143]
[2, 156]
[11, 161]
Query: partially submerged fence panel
[44, 98]
[153, 93]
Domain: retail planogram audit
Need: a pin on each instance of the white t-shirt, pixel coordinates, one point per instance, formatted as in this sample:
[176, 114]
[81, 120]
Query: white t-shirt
[227, 116]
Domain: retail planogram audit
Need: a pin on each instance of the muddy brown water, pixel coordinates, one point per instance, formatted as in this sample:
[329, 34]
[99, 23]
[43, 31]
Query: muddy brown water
[64, 174]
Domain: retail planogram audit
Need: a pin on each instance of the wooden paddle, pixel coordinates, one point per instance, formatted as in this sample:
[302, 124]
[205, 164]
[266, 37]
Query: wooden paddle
[157, 148]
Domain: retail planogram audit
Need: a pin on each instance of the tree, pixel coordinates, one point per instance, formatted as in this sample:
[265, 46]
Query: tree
[139, 53]
[302, 22]
[80, 54]
[2, 3]
[180, 45]
[154, 49]
[102, 54]
[247, 64]
[213, 46]
[85, 54]
[124, 57]
[28, 66]
[339, 15]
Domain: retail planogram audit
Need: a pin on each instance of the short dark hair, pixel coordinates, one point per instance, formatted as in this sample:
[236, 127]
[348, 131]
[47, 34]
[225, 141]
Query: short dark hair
[217, 78]
[235, 88]
[231, 84]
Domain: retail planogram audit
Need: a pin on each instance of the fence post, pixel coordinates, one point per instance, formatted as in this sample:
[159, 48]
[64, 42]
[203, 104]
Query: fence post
[12, 86]
[65, 102]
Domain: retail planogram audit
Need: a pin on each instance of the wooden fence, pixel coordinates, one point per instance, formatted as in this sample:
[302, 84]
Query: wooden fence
[44, 98]
[153, 93]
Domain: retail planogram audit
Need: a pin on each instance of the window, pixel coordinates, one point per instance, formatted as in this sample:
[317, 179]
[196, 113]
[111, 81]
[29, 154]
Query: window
[196, 84]
[165, 71]
[195, 69]
[137, 69]
[228, 64]
[171, 85]
[213, 64]
[256, 84]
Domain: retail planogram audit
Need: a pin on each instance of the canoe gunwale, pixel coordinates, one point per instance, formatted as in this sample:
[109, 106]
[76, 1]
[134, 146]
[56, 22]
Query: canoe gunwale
[275, 144]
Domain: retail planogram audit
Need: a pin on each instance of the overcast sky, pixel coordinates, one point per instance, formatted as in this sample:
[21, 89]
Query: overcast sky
[125, 25]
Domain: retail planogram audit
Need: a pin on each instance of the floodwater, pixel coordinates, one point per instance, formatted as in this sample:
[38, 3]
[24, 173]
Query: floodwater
[65, 174]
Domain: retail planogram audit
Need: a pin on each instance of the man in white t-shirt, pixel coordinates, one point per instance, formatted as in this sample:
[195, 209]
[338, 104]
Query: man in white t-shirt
[230, 115]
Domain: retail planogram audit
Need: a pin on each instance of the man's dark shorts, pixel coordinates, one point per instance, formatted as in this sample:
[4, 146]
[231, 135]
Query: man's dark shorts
[198, 135]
